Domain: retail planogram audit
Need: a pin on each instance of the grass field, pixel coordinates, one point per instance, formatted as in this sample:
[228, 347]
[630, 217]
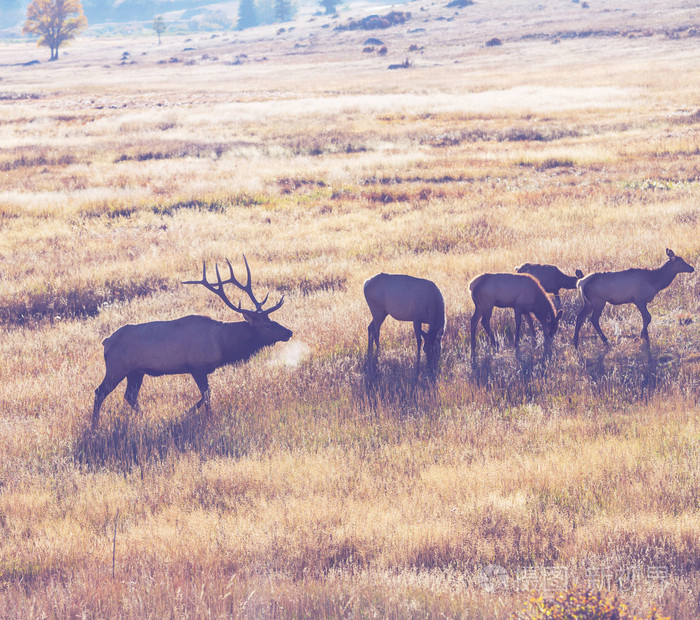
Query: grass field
[311, 491]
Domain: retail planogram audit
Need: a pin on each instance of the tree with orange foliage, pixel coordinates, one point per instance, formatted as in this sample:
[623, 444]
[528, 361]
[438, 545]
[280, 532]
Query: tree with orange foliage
[55, 22]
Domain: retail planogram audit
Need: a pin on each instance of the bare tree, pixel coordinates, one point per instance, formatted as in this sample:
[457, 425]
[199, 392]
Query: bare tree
[55, 22]
[159, 26]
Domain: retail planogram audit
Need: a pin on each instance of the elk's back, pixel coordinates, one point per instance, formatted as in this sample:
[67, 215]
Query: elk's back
[550, 276]
[619, 287]
[406, 298]
[166, 347]
[507, 290]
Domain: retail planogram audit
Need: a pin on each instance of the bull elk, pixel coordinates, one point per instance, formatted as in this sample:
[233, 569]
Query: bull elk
[631, 286]
[551, 278]
[406, 298]
[195, 345]
[522, 292]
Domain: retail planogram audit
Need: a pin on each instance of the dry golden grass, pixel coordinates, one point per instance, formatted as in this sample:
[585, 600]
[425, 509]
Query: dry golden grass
[310, 492]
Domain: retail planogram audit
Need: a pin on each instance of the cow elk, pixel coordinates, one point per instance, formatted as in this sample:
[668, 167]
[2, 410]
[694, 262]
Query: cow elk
[632, 286]
[523, 293]
[406, 298]
[551, 278]
[195, 345]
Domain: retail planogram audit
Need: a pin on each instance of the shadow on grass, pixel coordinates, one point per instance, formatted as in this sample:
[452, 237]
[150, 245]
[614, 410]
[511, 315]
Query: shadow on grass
[626, 372]
[513, 375]
[124, 445]
[393, 383]
[633, 370]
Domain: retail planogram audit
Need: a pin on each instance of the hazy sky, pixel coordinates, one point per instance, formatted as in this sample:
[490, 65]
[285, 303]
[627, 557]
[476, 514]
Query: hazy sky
[13, 12]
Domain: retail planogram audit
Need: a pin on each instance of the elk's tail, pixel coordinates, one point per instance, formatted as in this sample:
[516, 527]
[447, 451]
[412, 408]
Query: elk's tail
[107, 340]
[475, 282]
[581, 286]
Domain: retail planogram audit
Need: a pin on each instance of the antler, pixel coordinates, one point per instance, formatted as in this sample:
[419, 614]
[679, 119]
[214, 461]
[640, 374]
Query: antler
[248, 288]
[218, 289]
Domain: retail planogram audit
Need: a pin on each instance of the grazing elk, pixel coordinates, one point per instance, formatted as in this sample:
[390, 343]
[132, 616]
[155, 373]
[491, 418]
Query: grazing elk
[551, 278]
[406, 299]
[522, 292]
[632, 286]
[195, 345]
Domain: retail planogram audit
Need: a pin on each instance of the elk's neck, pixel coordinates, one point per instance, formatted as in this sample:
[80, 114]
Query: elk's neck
[238, 342]
[544, 310]
[664, 275]
[569, 282]
[439, 319]
[437, 325]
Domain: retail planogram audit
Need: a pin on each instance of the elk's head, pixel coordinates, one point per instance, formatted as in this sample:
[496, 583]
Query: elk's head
[678, 264]
[268, 330]
[552, 323]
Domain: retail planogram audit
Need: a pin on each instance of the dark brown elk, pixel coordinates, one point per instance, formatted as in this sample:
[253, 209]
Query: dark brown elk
[195, 345]
[551, 278]
[632, 286]
[522, 292]
[406, 298]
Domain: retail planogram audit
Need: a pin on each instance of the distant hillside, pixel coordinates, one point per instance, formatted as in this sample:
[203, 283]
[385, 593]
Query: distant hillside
[12, 12]
[188, 12]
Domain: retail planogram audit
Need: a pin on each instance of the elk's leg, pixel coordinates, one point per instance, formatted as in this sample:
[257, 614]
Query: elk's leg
[419, 335]
[370, 339]
[474, 326]
[202, 381]
[373, 336]
[518, 321]
[595, 320]
[528, 318]
[581, 317]
[486, 322]
[133, 385]
[103, 390]
[547, 353]
[646, 319]
[557, 300]
[432, 345]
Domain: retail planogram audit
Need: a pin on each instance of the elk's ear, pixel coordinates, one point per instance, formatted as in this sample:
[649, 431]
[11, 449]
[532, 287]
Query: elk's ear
[670, 253]
[579, 274]
[556, 318]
